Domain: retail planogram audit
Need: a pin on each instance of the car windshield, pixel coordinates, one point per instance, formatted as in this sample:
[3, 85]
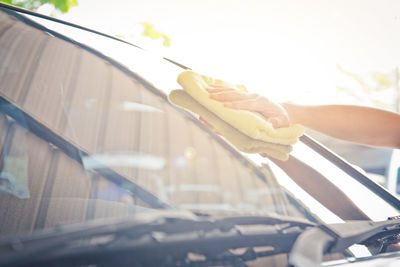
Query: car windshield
[82, 139]
[87, 132]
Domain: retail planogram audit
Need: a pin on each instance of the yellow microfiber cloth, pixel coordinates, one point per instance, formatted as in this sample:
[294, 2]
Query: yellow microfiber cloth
[238, 139]
[247, 122]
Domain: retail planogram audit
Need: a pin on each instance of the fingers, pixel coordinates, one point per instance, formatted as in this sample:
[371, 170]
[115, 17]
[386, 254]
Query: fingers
[220, 90]
[276, 117]
[232, 98]
[215, 88]
[229, 96]
[251, 104]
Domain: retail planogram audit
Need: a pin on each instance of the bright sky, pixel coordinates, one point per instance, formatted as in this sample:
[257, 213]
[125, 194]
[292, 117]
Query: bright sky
[287, 49]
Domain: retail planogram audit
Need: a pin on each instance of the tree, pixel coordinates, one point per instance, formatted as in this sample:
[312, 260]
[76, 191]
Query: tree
[378, 89]
[61, 5]
[150, 32]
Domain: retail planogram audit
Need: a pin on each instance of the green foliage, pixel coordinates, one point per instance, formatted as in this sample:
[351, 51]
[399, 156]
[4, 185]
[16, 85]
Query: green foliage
[372, 89]
[383, 80]
[63, 6]
[354, 77]
[150, 32]
[60, 5]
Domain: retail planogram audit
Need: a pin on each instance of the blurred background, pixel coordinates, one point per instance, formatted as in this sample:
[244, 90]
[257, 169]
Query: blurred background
[308, 52]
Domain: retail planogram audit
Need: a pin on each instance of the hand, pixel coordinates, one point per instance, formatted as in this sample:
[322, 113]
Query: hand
[233, 98]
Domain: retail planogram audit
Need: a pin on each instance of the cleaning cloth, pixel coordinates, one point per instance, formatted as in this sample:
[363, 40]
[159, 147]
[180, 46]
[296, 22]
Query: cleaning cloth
[247, 122]
[238, 139]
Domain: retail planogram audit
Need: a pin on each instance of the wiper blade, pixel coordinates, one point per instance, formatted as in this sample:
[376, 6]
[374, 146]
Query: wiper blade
[40, 130]
[309, 248]
[156, 238]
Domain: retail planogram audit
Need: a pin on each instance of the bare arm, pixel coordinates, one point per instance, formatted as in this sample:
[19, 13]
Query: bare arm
[364, 125]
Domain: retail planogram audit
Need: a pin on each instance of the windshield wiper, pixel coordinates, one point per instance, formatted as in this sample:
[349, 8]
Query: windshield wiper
[157, 238]
[74, 152]
[309, 248]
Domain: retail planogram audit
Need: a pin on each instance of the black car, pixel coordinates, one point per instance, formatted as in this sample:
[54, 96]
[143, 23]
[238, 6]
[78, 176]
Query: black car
[97, 168]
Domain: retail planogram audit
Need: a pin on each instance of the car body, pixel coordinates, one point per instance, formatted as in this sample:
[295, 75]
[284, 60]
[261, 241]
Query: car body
[393, 180]
[89, 139]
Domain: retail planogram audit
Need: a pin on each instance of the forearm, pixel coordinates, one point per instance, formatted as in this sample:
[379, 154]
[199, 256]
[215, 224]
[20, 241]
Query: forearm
[362, 125]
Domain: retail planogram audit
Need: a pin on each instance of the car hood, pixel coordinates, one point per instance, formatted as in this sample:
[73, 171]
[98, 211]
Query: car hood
[387, 260]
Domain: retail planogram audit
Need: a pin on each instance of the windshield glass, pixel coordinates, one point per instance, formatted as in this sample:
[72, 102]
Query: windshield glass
[83, 137]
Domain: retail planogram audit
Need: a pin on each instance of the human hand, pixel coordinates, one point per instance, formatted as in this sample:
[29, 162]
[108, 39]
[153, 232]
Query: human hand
[233, 98]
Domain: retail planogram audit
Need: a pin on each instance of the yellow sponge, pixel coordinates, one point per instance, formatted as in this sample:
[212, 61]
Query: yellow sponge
[238, 139]
[249, 123]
